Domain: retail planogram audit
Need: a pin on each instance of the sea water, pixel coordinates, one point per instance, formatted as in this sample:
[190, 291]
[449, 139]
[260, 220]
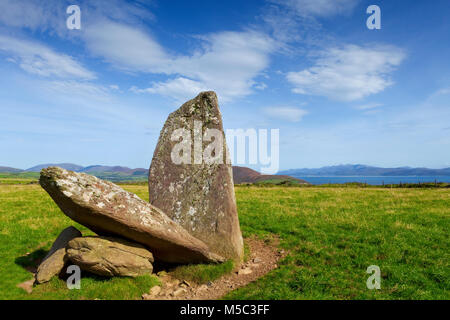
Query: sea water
[373, 180]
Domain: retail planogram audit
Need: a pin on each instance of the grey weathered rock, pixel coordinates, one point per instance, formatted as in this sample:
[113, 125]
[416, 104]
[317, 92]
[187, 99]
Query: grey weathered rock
[107, 256]
[55, 259]
[199, 195]
[107, 209]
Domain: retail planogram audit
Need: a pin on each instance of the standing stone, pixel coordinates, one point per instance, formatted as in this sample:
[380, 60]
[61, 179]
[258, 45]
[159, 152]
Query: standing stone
[194, 186]
[55, 259]
[110, 257]
[107, 209]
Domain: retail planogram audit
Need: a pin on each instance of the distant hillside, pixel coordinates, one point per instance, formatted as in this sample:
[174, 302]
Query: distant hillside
[363, 170]
[10, 170]
[240, 174]
[112, 173]
[67, 166]
[120, 173]
[126, 170]
[247, 175]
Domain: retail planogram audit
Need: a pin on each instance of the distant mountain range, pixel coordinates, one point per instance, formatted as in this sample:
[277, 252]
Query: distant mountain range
[78, 168]
[119, 173]
[67, 166]
[112, 173]
[125, 170]
[240, 174]
[363, 170]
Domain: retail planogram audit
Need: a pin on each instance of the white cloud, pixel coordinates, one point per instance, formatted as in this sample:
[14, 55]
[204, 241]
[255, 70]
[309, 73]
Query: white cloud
[368, 106]
[348, 73]
[27, 13]
[226, 62]
[443, 91]
[291, 114]
[260, 86]
[38, 59]
[321, 8]
[78, 90]
[126, 47]
[50, 15]
[181, 89]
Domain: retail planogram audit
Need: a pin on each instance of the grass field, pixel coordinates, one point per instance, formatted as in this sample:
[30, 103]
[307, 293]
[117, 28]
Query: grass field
[331, 234]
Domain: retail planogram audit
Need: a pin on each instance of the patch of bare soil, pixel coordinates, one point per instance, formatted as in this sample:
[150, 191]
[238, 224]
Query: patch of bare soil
[263, 258]
[27, 285]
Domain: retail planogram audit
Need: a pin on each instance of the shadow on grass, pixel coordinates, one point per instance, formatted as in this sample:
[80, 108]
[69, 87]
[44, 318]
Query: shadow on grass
[31, 261]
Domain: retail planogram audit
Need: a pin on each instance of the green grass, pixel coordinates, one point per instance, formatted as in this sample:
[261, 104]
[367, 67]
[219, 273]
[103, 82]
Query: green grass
[120, 177]
[19, 175]
[29, 223]
[203, 273]
[17, 181]
[93, 287]
[332, 235]
[19, 178]
[278, 182]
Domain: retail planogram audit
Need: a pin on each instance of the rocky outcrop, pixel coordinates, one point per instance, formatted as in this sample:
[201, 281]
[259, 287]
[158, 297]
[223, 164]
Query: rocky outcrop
[108, 256]
[56, 259]
[191, 180]
[108, 210]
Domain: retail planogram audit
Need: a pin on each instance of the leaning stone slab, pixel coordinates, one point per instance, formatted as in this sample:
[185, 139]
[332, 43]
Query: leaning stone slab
[107, 256]
[191, 177]
[107, 209]
[55, 259]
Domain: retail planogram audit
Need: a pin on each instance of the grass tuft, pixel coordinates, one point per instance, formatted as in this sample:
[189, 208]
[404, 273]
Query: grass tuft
[203, 273]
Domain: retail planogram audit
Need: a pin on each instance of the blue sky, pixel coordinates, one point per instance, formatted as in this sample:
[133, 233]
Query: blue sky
[338, 92]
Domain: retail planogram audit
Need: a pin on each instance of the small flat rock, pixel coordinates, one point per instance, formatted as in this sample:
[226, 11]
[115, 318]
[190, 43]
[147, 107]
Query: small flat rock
[108, 256]
[257, 260]
[203, 287]
[187, 283]
[107, 209]
[197, 192]
[244, 271]
[56, 259]
[154, 291]
[179, 292]
[173, 283]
